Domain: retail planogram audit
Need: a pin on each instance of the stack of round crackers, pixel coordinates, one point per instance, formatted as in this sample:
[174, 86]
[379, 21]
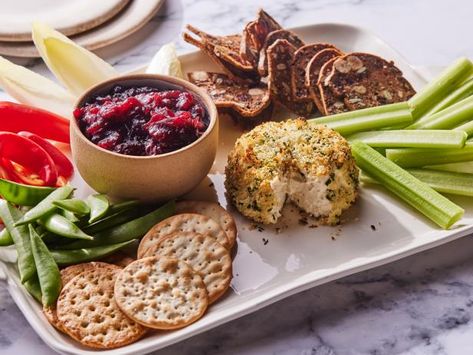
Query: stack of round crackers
[184, 264]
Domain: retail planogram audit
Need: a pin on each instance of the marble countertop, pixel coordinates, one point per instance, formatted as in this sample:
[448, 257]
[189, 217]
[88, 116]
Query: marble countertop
[420, 305]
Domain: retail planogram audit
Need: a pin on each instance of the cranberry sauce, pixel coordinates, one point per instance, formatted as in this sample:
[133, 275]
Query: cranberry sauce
[142, 120]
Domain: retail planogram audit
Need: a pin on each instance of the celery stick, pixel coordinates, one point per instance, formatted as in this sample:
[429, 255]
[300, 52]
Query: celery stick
[412, 139]
[462, 92]
[441, 181]
[466, 127]
[462, 167]
[445, 181]
[450, 117]
[440, 87]
[416, 193]
[368, 119]
[417, 157]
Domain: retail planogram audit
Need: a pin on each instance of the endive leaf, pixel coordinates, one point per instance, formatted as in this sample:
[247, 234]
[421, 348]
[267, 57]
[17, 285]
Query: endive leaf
[30, 88]
[75, 67]
[166, 62]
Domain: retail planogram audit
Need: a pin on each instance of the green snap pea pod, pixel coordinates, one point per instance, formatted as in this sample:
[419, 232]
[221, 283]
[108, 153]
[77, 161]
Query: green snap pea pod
[46, 206]
[5, 238]
[21, 238]
[73, 205]
[116, 219]
[48, 272]
[121, 206]
[68, 257]
[69, 215]
[23, 195]
[99, 205]
[60, 225]
[33, 287]
[127, 231]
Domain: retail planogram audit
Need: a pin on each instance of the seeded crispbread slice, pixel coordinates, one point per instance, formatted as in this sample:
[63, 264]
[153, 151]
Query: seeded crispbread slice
[161, 293]
[254, 35]
[204, 254]
[224, 51]
[272, 37]
[301, 58]
[280, 58]
[331, 104]
[185, 222]
[89, 314]
[249, 100]
[67, 274]
[313, 71]
[365, 80]
[214, 211]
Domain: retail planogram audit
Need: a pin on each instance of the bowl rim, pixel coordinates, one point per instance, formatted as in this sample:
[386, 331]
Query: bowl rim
[205, 98]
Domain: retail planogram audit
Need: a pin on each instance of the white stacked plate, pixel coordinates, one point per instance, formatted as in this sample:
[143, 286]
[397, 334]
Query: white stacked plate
[90, 23]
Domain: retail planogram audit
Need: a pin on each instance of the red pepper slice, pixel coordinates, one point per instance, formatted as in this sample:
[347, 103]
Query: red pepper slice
[64, 166]
[31, 161]
[18, 117]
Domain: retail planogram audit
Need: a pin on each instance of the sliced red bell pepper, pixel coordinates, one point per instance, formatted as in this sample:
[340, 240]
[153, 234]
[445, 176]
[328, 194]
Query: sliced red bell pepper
[18, 117]
[64, 166]
[26, 161]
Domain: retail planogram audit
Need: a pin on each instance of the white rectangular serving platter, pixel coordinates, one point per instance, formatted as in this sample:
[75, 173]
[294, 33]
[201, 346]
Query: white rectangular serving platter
[272, 263]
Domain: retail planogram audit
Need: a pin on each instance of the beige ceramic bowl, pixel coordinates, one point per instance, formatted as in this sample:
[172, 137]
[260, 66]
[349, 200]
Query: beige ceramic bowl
[151, 178]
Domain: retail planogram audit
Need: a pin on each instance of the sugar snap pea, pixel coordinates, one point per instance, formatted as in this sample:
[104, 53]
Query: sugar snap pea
[120, 217]
[33, 288]
[68, 257]
[127, 231]
[47, 269]
[46, 205]
[121, 206]
[23, 195]
[69, 215]
[99, 205]
[5, 238]
[21, 238]
[60, 225]
[73, 205]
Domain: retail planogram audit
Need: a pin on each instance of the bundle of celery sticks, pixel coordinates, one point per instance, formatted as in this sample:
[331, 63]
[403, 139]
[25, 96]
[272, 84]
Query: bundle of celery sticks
[419, 149]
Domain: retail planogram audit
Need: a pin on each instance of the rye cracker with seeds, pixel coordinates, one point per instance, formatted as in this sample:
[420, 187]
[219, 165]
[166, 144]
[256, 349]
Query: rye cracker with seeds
[185, 222]
[331, 104]
[67, 274]
[272, 37]
[224, 51]
[254, 35]
[301, 58]
[204, 254]
[214, 211]
[313, 72]
[161, 293]
[89, 314]
[365, 80]
[248, 100]
[280, 58]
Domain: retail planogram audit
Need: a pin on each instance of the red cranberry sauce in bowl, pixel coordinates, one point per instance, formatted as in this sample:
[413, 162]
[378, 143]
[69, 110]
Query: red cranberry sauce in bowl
[142, 121]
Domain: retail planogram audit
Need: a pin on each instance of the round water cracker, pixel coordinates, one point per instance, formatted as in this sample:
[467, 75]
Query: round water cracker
[161, 293]
[204, 254]
[119, 258]
[68, 273]
[51, 315]
[89, 314]
[214, 211]
[185, 222]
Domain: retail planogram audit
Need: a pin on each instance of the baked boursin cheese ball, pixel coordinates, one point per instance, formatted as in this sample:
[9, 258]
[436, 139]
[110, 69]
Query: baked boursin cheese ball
[310, 165]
